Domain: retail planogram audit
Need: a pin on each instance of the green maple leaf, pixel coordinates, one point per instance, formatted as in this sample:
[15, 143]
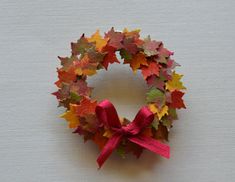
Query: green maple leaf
[125, 54]
[155, 95]
[75, 96]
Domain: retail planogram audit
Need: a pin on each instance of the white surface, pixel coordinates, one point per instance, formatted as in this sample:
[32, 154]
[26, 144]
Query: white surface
[35, 145]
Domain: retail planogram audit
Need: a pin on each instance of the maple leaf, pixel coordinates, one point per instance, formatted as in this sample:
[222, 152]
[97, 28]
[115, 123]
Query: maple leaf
[67, 62]
[89, 123]
[110, 56]
[133, 148]
[163, 54]
[159, 112]
[147, 132]
[80, 87]
[108, 133]
[165, 74]
[130, 46]
[155, 81]
[115, 38]
[100, 140]
[172, 113]
[67, 76]
[151, 69]
[85, 67]
[81, 46]
[131, 34]
[99, 41]
[171, 64]
[86, 134]
[162, 132]
[175, 83]
[176, 100]
[63, 92]
[150, 47]
[85, 107]
[95, 56]
[71, 118]
[156, 96]
[136, 61]
[125, 55]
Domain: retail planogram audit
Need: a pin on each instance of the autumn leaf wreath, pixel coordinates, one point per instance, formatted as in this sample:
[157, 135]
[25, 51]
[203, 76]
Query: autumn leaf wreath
[99, 121]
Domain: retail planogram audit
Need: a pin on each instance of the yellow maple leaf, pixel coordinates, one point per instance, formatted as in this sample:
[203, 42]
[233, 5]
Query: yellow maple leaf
[71, 117]
[137, 60]
[130, 33]
[99, 41]
[108, 134]
[159, 112]
[175, 83]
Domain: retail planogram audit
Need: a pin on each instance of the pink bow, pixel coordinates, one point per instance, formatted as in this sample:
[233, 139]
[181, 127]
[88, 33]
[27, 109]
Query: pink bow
[107, 114]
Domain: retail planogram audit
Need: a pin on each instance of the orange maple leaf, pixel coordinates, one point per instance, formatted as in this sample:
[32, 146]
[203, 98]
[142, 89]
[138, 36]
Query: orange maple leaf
[66, 76]
[85, 107]
[151, 69]
[136, 61]
[85, 67]
[100, 140]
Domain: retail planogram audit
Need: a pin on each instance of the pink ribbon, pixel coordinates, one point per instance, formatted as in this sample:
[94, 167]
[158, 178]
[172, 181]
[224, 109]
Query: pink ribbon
[107, 114]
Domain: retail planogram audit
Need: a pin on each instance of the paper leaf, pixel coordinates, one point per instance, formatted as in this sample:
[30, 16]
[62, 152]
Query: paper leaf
[81, 46]
[74, 96]
[156, 96]
[108, 133]
[175, 83]
[125, 55]
[85, 107]
[130, 45]
[163, 55]
[160, 112]
[115, 38]
[171, 64]
[136, 61]
[110, 56]
[151, 69]
[155, 82]
[176, 100]
[85, 67]
[71, 118]
[95, 56]
[132, 34]
[67, 62]
[150, 47]
[66, 76]
[162, 132]
[147, 132]
[100, 140]
[99, 41]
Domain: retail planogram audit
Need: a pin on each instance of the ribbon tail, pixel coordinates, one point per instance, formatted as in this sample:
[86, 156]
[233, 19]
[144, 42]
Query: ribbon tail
[152, 145]
[111, 144]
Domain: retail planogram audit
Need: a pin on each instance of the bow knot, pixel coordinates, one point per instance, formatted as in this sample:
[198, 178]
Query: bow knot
[107, 115]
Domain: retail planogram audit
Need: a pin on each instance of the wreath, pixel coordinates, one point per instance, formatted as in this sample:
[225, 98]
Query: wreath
[99, 121]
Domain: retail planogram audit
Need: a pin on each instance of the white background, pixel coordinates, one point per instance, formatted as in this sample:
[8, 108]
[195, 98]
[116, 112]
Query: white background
[36, 145]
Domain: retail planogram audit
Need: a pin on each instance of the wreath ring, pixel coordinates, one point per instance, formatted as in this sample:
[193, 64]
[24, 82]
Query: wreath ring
[100, 122]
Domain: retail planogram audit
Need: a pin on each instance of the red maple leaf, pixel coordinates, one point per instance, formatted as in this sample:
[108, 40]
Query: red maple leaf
[177, 101]
[153, 80]
[115, 38]
[151, 69]
[85, 107]
[67, 76]
[110, 56]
